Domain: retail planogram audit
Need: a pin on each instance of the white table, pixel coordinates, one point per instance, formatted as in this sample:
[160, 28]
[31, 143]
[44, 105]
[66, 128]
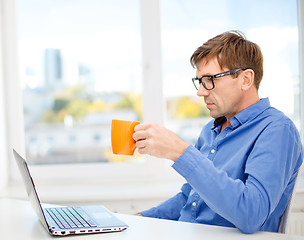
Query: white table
[19, 221]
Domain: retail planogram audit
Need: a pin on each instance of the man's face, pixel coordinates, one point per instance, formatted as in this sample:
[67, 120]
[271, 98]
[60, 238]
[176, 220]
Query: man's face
[226, 98]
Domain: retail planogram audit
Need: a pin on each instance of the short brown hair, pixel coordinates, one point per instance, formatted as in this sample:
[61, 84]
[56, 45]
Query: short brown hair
[232, 50]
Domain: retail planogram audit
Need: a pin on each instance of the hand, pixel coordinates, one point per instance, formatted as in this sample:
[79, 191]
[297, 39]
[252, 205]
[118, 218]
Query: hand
[158, 141]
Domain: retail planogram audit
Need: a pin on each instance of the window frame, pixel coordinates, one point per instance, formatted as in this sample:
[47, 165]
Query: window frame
[301, 64]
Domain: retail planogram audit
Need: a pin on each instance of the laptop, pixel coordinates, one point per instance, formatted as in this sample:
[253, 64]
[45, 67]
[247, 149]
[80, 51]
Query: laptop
[62, 221]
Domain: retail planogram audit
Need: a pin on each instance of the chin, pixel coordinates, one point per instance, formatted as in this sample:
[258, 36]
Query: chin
[213, 115]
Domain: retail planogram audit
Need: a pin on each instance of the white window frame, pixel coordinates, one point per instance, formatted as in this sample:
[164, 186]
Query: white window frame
[301, 63]
[301, 76]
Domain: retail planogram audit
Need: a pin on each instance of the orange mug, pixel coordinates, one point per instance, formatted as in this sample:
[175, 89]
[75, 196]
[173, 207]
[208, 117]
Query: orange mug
[122, 136]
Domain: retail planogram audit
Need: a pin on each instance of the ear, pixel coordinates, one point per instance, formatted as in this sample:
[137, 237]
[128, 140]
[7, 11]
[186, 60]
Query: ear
[248, 79]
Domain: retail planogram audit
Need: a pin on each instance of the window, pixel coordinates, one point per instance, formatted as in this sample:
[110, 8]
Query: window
[68, 65]
[80, 66]
[65, 69]
[188, 24]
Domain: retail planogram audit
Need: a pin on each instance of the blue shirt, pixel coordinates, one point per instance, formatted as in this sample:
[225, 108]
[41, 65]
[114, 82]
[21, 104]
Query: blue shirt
[241, 177]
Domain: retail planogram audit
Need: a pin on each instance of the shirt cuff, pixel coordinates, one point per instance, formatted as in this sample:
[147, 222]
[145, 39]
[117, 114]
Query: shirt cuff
[150, 213]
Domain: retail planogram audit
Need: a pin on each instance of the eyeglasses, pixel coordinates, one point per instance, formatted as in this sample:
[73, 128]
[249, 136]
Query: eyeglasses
[208, 80]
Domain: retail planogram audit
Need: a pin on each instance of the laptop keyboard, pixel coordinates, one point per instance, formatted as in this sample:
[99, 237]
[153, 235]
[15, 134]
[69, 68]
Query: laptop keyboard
[70, 217]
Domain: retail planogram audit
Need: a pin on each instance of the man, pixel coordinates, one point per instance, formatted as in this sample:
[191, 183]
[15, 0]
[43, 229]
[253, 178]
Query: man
[242, 170]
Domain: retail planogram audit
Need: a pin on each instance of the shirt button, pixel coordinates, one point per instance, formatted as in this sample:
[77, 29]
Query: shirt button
[212, 151]
[194, 204]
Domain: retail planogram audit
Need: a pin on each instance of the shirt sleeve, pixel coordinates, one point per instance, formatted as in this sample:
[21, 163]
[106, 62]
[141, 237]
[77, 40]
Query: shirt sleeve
[170, 209]
[271, 164]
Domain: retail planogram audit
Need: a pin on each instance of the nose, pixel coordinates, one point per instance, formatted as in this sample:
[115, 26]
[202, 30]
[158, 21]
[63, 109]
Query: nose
[202, 92]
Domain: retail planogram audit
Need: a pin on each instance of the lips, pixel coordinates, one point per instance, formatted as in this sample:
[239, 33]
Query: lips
[208, 104]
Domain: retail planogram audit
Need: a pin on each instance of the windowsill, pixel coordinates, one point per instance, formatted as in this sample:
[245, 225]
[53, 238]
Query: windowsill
[95, 193]
[96, 183]
[67, 193]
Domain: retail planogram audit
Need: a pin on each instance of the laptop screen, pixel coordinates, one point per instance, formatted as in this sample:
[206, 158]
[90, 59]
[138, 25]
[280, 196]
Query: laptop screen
[30, 187]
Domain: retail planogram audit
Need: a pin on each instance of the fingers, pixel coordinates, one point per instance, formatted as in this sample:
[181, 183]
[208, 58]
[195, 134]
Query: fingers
[141, 144]
[141, 136]
[141, 131]
[142, 150]
[141, 126]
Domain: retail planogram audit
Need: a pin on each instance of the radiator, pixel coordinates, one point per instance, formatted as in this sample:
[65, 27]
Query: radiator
[296, 224]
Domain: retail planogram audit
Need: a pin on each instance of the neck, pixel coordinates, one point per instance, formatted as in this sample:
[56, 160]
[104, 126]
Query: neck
[251, 98]
[248, 99]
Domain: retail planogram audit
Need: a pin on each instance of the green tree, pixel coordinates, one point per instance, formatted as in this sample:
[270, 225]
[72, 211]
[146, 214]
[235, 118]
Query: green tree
[187, 107]
[126, 102]
[131, 101]
[59, 104]
[50, 116]
[78, 108]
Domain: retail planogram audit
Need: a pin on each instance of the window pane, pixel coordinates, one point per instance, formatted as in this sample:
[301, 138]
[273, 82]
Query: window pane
[80, 67]
[187, 24]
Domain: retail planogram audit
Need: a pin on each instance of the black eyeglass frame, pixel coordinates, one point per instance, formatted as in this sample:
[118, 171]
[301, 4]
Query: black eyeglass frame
[212, 77]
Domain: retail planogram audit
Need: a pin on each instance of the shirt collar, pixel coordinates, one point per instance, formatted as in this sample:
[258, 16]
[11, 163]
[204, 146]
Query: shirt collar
[244, 116]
